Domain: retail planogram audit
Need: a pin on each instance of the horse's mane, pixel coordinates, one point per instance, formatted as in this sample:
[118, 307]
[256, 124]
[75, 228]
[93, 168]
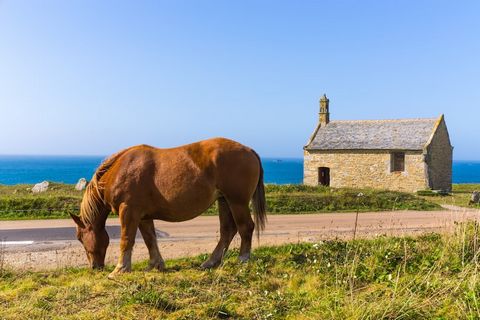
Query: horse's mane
[93, 199]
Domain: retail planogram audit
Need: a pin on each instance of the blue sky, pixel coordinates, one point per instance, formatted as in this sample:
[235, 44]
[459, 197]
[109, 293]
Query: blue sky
[92, 77]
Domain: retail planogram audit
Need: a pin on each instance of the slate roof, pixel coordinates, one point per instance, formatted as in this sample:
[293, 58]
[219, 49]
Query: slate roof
[405, 134]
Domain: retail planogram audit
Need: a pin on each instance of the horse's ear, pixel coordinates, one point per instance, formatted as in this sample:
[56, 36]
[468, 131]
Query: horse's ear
[77, 220]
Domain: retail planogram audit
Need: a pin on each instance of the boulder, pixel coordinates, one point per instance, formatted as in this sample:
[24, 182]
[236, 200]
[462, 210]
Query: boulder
[81, 184]
[475, 198]
[40, 187]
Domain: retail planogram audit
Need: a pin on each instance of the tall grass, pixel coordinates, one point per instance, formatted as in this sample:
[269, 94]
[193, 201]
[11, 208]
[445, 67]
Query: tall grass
[2, 257]
[434, 276]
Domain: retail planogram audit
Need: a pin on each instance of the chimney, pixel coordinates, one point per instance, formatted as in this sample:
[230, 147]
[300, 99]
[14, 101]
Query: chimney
[324, 112]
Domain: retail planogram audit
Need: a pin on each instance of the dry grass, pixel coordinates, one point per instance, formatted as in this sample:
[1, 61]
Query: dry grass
[434, 276]
[2, 257]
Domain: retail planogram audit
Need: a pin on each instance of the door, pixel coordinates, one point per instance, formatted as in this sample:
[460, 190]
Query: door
[324, 176]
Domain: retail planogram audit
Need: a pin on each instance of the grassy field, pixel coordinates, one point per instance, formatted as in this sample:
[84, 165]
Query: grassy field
[460, 196]
[428, 277]
[18, 202]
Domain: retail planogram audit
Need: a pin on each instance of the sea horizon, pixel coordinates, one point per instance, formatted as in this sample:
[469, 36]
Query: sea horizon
[105, 156]
[30, 169]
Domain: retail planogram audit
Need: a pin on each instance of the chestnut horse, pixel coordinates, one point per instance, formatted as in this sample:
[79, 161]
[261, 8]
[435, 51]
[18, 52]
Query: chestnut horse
[143, 183]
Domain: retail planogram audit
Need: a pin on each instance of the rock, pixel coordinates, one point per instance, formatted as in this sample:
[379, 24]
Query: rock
[81, 184]
[40, 187]
[475, 198]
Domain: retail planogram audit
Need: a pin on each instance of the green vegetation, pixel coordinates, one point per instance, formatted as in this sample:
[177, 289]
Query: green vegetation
[428, 277]
[301, 198]
[460, 196]
[18, 202]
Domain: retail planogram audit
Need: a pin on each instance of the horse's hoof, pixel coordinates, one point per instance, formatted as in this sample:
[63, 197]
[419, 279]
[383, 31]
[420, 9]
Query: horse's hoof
[160, 266]
[115, 274]
[244, 258]
[209, 264]
[112, 275]
[118, 271]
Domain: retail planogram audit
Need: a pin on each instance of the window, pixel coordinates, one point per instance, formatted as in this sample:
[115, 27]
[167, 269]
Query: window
[397, 162]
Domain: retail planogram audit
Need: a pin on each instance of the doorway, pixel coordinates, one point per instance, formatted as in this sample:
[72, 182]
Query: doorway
[324, 176]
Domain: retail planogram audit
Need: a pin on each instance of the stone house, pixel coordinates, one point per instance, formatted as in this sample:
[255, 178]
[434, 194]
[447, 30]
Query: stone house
[404, 155]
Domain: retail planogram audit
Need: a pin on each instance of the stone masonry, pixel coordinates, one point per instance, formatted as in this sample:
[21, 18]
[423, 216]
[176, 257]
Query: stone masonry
[439, 159]
[360, 154]
[365, 169]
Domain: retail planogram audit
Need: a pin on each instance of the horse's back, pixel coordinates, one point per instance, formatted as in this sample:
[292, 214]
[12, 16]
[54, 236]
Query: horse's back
[184, 180]
[226, 164]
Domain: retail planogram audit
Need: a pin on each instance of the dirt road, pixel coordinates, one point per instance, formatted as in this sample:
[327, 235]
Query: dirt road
[47, 244]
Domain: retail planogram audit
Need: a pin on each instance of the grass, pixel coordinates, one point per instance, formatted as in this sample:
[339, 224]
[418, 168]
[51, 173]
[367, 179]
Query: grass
[433, 276]
[18, 202]
[301, 198]
[460, 196]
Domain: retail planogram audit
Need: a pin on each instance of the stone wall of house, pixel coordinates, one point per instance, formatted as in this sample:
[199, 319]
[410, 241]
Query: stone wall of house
[439, 159]
[366, 169]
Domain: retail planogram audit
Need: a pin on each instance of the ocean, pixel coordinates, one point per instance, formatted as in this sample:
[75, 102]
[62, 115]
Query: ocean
[68, 169]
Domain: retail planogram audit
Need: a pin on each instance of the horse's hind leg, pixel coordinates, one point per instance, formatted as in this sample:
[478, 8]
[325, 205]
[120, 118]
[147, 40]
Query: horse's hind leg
[147, 229]
[245, 226]
[228, 229]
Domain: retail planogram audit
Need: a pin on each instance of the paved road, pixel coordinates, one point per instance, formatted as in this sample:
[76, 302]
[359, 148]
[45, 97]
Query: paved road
[52, 243]
[10, 237]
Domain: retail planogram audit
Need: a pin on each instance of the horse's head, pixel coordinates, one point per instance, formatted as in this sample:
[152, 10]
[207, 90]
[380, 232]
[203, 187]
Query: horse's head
[94, 240]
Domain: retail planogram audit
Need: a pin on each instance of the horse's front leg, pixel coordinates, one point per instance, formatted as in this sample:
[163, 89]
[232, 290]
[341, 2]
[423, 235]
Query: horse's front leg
[147, 228]
[129, 222]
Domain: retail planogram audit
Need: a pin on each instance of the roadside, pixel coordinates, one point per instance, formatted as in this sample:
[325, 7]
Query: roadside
[460, 196]
[200, 235]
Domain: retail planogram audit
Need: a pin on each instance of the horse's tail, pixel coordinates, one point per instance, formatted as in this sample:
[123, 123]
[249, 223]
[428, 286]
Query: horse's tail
[93, 203]
[258, 201]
